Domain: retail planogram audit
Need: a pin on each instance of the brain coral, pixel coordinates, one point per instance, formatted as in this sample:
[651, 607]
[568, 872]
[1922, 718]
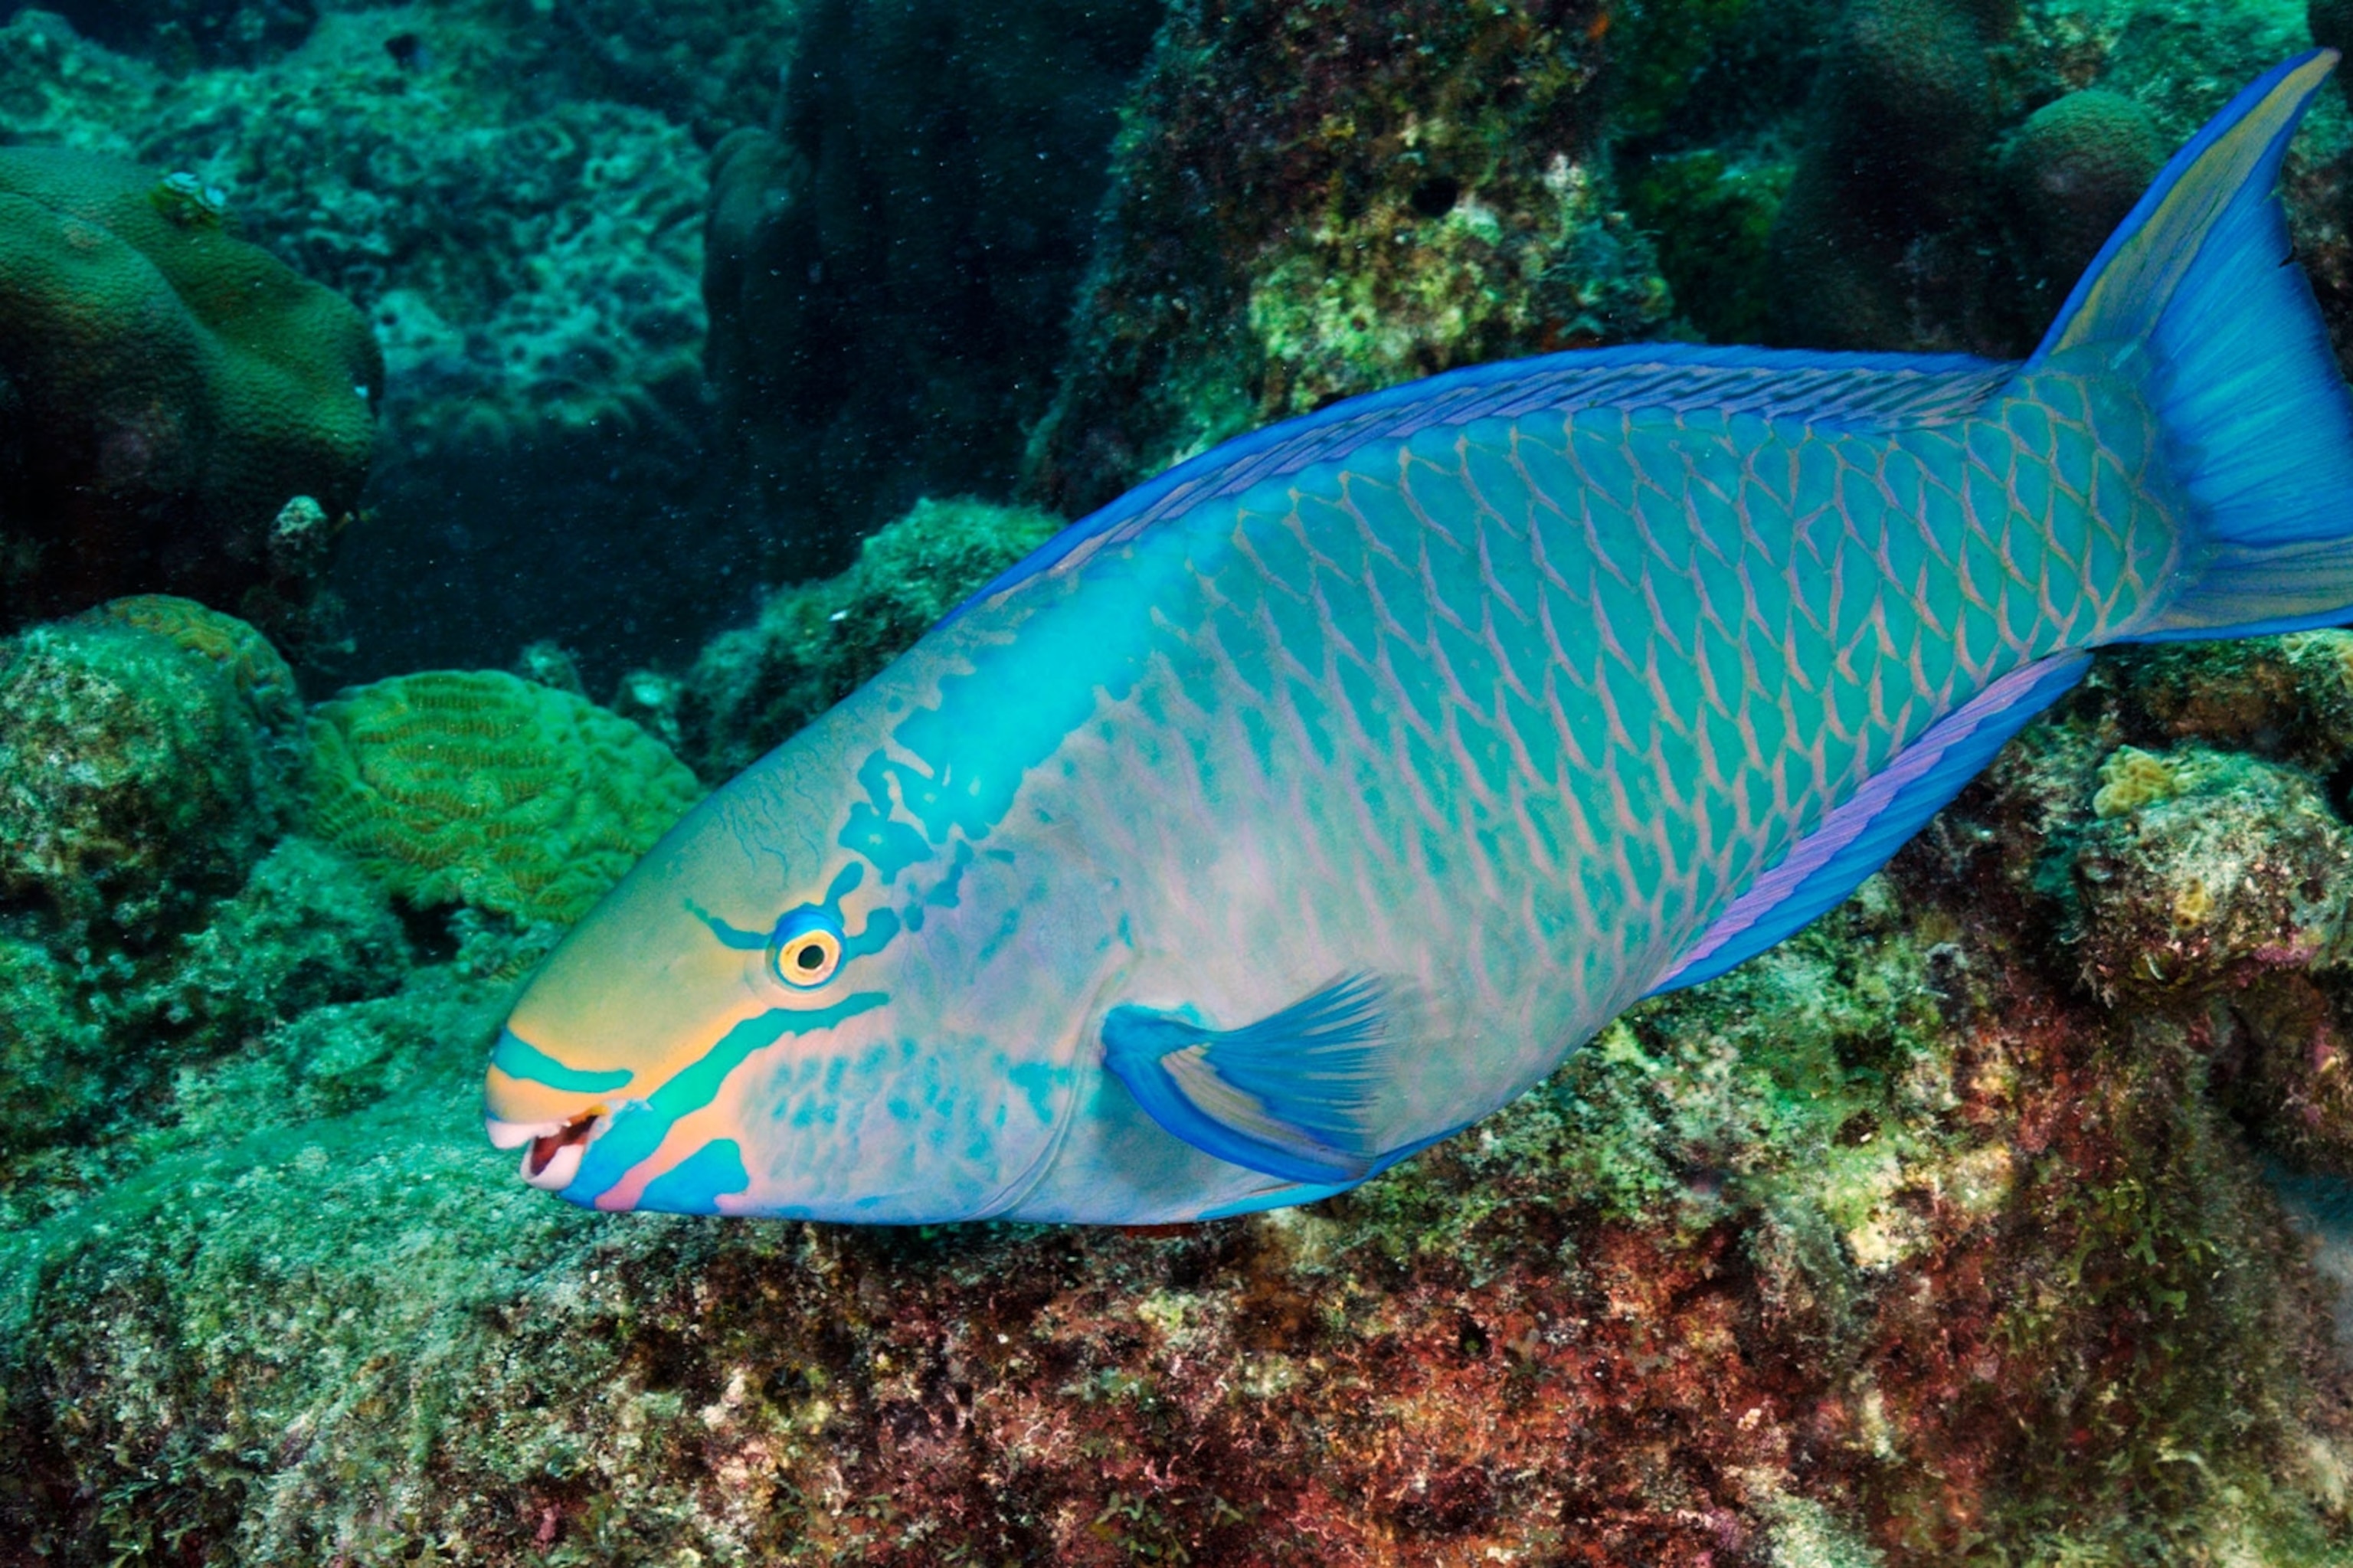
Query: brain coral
[165, 389]
[2074, 169]
[476, 786]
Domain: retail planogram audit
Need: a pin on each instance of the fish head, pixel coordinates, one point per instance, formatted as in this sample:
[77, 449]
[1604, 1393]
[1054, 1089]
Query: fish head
[762, 1019]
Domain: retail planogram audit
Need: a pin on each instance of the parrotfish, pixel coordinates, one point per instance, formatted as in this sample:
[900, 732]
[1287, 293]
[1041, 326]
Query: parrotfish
[1315, 800]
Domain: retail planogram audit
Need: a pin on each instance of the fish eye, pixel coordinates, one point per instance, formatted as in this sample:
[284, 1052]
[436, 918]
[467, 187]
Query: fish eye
[807, 948]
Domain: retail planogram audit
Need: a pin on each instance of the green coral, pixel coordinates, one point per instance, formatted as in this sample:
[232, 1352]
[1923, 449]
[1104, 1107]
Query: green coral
[100, 1047]
[817, 642]
[482, 789]
[135, 778]
[168, 388]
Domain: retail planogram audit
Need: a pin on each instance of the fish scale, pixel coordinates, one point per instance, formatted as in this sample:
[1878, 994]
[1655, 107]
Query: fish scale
[1661, 822]
[1316, 798]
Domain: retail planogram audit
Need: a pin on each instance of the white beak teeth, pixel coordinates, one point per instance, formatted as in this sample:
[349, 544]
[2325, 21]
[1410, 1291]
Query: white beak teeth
[516, 1134]
[561, 1166]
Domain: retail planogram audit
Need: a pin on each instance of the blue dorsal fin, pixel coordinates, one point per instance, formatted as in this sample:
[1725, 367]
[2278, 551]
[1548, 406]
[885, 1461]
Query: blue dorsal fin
[1291, 1095]
[1856, 839]
[1851, 391]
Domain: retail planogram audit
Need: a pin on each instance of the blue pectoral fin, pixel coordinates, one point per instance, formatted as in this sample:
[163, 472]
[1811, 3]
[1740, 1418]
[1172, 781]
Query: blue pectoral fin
[1856, 839]
[1291, 1095]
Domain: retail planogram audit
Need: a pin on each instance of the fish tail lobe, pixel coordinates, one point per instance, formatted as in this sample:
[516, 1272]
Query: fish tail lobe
[2197, 294]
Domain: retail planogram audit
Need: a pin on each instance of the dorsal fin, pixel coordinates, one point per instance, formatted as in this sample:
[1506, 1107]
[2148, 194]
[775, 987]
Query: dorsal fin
[1856, 391]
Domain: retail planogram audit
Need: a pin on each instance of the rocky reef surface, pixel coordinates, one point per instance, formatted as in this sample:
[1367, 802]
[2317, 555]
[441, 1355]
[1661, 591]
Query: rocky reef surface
[2005, 1216]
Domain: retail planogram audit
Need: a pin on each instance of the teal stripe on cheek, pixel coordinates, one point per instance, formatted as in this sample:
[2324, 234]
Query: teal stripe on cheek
[519, 1058]
[638, 1129]
[697, 1184]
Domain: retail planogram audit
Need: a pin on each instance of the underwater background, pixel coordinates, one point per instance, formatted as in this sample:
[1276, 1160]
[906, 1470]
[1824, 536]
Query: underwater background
[440, 442]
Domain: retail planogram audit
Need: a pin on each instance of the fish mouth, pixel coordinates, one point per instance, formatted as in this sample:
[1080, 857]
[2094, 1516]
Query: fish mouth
[551, 1149]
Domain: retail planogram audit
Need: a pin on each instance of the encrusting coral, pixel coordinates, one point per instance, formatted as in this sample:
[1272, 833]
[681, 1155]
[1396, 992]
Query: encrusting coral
[482, 789]
[168, 389]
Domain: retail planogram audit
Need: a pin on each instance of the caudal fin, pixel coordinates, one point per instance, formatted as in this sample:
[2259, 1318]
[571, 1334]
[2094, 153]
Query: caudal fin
[2198, 293]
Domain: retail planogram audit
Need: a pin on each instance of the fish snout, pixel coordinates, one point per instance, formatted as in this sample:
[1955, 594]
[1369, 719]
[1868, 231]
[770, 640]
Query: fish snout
[551, 1149]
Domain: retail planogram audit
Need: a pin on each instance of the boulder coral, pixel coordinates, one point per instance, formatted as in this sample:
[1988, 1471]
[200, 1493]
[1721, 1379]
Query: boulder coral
[482, 789]
[1902, 114]
[2074, 169]
[165, 388]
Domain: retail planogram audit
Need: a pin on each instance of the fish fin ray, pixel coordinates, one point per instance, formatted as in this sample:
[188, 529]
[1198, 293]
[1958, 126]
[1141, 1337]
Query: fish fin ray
[1291, 1095]
[2198, 291]
[1859, 391]
[1855, 839]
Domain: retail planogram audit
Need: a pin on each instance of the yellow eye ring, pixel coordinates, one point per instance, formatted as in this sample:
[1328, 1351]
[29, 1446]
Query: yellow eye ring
[807, 958]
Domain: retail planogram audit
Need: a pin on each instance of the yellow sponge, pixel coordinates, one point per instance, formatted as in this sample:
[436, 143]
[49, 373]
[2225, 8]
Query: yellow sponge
[477, 787]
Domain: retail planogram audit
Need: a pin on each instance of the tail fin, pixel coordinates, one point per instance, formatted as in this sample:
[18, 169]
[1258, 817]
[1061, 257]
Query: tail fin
[2200, 283]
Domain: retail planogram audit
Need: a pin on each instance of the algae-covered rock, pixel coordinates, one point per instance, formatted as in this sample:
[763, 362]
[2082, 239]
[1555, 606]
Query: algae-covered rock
[136, 779]
[165, 389]
[101, 1049]
[1879, 1247]
[2205, 866]
[1304, 206]
[817, 642]
[482, 789]
[54, 1077]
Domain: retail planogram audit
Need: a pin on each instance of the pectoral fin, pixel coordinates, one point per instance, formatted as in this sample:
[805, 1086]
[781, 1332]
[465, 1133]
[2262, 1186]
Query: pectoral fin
[1291, 1095]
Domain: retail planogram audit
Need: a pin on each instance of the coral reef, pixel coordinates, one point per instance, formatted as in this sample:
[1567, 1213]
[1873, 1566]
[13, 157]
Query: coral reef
[817, 642]
[1954, 164]
[889, 270]
[482, 789]
[184, 32]
[153, 917]
[2203, 865]
[165, 389]
[1307, 204]
[2001, 1217]
[1904, 111]
[255, 670]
